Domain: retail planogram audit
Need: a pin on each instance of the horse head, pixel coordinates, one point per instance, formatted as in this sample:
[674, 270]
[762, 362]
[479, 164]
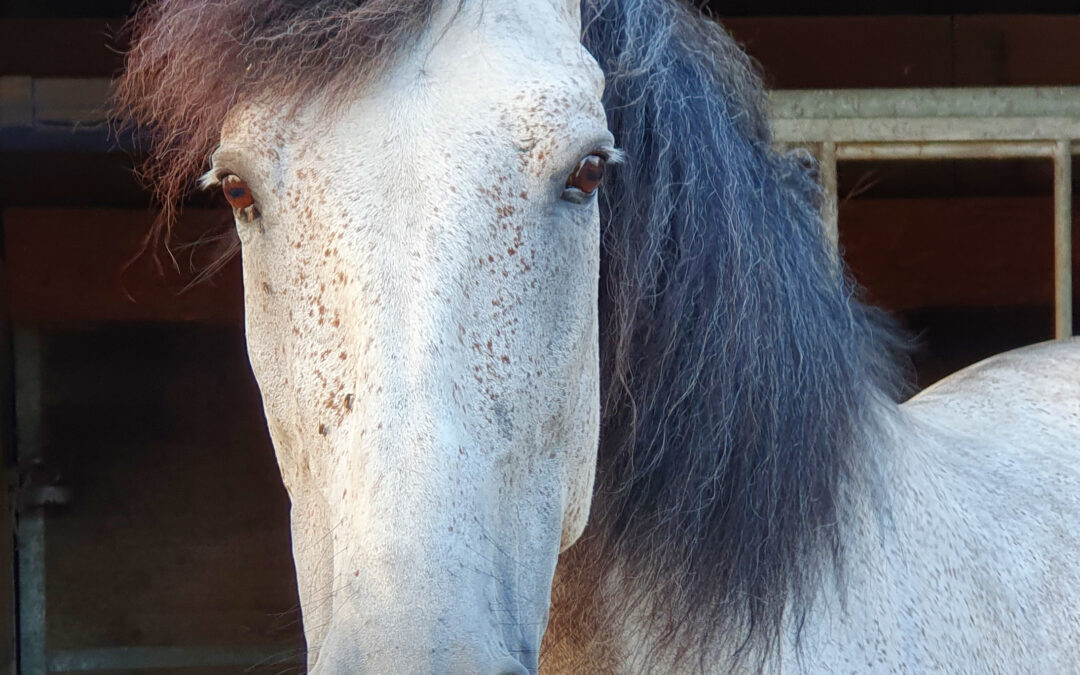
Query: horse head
[420, 258]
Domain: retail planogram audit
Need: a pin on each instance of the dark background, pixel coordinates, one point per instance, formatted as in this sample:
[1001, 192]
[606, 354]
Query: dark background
[176, 532]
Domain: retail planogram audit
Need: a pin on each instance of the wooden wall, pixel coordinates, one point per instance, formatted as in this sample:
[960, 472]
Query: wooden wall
[912, 51]
[796, 52]
[176, 532]
[968, 278]
[88, 264]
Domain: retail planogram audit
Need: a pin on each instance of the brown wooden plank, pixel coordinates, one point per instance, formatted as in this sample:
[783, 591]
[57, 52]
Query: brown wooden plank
[939, 253]
[833, 52]
[72, 264]
[69, 179]
[796, 52]
[68, 264]
[59, 47]
[1017, 50]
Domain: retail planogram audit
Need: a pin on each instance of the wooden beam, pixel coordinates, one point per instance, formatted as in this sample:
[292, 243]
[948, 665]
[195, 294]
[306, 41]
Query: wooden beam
[835, 52]
[73, 265]
[912, 51]
[1017, 50]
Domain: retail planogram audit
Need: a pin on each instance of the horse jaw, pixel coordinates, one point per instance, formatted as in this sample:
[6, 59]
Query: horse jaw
[422, 319]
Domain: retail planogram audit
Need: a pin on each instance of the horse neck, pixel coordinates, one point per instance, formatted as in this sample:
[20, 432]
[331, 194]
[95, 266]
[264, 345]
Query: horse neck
[600, 621]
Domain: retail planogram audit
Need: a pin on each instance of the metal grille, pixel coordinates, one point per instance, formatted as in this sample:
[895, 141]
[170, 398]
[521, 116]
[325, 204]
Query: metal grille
[934, 124]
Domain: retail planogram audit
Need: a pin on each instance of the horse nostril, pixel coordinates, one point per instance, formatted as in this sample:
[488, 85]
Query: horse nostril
[507, 666]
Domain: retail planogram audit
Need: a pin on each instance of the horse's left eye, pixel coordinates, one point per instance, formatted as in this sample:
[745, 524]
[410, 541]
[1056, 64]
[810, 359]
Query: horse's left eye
[585, 179]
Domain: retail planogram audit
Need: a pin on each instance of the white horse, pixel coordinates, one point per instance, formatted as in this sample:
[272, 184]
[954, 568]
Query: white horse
[457, 321]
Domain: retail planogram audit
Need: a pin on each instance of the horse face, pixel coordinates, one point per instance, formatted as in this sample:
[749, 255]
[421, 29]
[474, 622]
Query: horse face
[421, 297]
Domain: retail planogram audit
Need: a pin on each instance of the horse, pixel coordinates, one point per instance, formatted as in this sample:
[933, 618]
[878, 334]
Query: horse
[561, 373]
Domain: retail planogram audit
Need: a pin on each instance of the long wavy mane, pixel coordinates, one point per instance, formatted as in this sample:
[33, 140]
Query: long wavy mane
[739, 373]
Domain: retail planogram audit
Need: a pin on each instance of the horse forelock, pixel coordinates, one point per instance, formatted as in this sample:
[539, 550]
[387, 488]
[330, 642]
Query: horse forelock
[192, 61]
[739, 371]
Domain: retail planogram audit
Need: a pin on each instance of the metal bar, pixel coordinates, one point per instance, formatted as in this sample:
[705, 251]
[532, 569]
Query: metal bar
[829, 205]
[930, 102]
[9, 626]
[16, 102]
[53, 101]
[883, 130]
[71, 102]
[153, 658]
[863, 125]
[1063, 240]
[30, 533]
[939, 150]
[58, 114]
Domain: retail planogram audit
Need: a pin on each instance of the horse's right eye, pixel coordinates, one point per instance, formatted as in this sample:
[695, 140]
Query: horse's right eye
[239, 197]
[236, 192]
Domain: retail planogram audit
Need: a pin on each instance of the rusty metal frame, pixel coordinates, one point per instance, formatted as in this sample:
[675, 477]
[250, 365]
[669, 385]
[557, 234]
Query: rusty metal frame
[935, 124]
[30, 532]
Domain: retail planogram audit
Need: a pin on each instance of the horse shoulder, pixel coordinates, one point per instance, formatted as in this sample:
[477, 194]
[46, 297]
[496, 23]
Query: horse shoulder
[1030, 394]
[987, 505]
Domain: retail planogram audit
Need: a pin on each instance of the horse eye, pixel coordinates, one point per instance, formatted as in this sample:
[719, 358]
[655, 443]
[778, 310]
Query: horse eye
[585, 178]
[239, 196]
[236, 192]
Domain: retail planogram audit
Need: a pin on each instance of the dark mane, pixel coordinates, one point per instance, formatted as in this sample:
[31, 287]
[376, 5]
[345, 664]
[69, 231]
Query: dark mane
[738, 371]
[191, 61]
